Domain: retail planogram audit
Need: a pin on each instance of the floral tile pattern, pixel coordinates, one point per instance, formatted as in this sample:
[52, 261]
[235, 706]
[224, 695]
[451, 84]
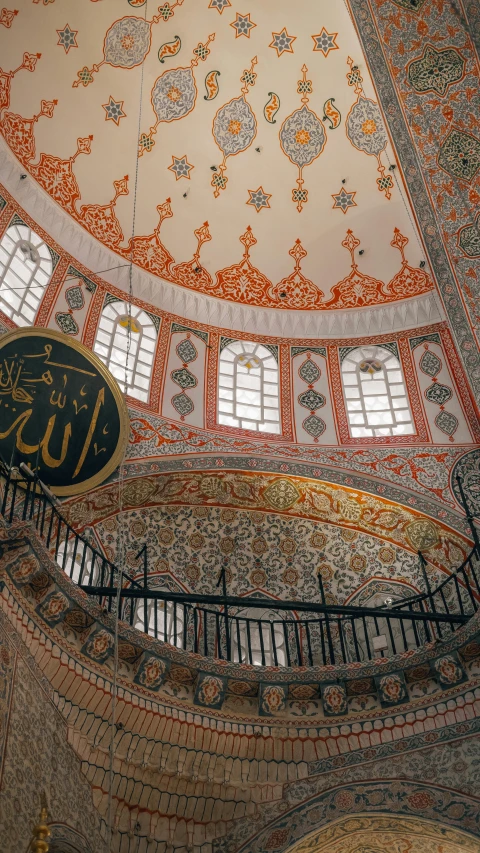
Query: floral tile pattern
[362, 687]
[210, 692]
[264, 550]
[53, 607]
[151, 672]
[242, 688]
[303, 692]
[99, 645]
[334, 698]
[471, 650]
[417, 673]
[448, 670]
[273, 698]
[392, 689]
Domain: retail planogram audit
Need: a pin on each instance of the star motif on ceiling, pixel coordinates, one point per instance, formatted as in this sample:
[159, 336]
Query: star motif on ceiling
[344, 200]
[114, 110]
[180, 167]
[219, 5]
[282, 42]
[67, 38]
[325, 42]
[243, 25]
[259, 199]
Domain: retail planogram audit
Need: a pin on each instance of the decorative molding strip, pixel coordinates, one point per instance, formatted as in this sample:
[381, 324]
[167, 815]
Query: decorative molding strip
[202, 308]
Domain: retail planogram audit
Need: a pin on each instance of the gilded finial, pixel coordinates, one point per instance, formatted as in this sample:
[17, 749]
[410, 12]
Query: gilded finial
[41, 832]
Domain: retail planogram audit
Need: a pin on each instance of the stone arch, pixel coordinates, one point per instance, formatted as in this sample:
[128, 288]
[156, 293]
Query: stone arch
[382, 833]
[400, 799]
[65, 839]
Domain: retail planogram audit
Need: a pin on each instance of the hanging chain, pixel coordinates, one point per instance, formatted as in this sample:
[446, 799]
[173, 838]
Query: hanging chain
[121, 540]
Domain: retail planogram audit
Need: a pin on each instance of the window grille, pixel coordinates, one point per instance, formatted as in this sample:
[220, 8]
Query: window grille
[248, 390]
[375, 393]
[111, 346]
[25, 269]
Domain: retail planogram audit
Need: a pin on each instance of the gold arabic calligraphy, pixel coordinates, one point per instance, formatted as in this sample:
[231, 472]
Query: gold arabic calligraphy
[19, 384]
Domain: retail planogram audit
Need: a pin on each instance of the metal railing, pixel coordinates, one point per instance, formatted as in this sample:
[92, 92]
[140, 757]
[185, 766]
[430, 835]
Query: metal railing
[257, 631]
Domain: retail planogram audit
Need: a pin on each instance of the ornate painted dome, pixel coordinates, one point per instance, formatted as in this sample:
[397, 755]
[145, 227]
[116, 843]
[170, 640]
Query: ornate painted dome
[258, 223]
[242, 157]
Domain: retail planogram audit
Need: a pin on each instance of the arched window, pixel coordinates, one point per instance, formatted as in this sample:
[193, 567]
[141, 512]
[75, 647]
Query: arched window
[112, 341]
[248, 393]
[375, 393]
[25, 270]
[164, 621]
[252, 639]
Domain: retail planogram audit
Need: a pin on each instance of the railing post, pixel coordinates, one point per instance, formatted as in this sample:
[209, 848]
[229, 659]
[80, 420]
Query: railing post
[223, 580]
[320, 584]
[423, 565]
[143, 552]
[34, 490]
[26, 499]
[7, 489]
[470, 517]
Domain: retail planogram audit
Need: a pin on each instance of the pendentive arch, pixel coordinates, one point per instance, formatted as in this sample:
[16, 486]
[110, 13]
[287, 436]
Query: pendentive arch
[396, 798]
[375, 833]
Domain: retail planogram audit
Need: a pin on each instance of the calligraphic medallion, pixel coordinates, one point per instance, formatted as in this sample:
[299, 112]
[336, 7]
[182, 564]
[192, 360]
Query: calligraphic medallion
[61, 411]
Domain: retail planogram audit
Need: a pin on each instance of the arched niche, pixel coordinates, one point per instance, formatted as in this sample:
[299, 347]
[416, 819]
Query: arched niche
[64, 839]
[445, 817]
[386, 834]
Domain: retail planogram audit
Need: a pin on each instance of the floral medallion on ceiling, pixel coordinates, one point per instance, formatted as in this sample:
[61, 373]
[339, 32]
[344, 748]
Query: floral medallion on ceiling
[234, 127]
[89, 99]
[365, 127]
[303, 138]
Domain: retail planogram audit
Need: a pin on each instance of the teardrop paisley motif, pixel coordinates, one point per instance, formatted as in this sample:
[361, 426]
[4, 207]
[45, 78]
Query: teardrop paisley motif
[311, 399]
[314, 426]
[430, 363]
[182, 404]
[271, 108]
[184, 378]
[439, 394]
[211, 85]
[170, 48]
[331, 114]
[186, 351]
[309, 371]
[447, 423]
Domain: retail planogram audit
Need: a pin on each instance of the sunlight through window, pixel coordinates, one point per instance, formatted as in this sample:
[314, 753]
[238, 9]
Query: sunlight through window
[248, 393]
[111, 345]
[25, 270]
[375, 393]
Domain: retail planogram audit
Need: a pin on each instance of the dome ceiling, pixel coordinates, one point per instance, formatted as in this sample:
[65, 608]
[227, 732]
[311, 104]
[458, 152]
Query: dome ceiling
[241, 145]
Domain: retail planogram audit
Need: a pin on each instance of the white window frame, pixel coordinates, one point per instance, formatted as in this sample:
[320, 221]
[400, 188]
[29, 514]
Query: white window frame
[386, 413]
[26, 268]
[111, 346]
[164, 620]
[264, 617]
[254, 408]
